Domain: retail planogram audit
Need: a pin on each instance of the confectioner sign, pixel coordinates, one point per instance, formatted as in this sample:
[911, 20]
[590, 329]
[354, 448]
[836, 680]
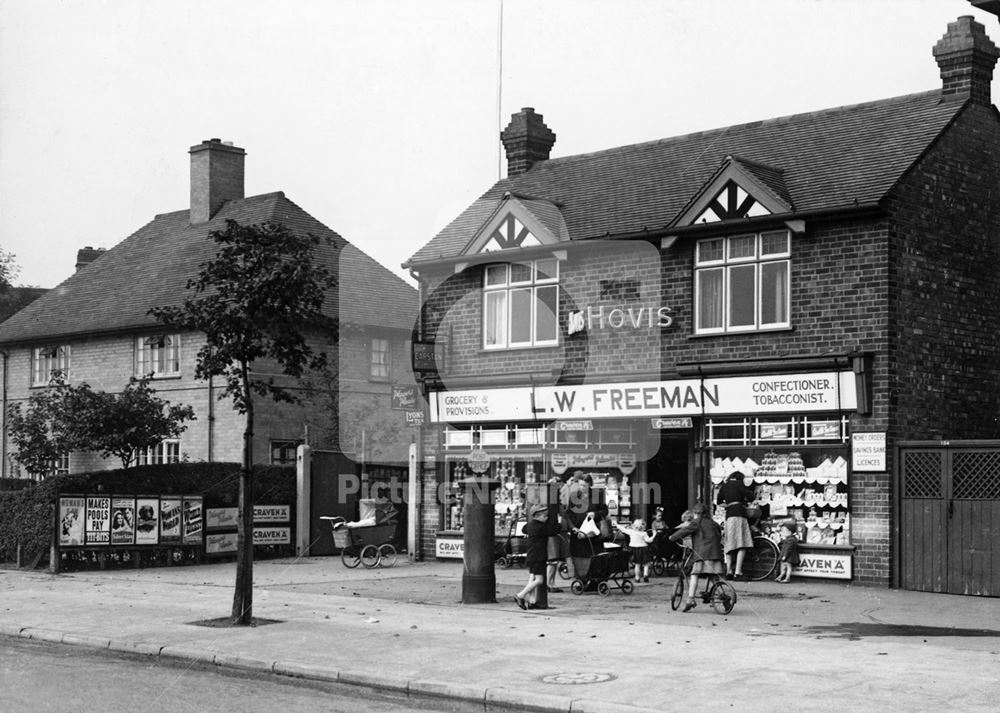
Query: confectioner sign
[775, 393]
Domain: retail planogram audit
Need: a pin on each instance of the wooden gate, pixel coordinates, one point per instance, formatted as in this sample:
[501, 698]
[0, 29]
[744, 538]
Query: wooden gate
[949, 518]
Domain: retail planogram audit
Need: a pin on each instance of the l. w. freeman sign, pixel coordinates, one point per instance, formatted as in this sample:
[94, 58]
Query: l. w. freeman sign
[790, 393]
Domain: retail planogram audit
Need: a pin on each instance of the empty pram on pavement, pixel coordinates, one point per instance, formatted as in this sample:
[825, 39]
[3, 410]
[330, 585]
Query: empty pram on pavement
[367, 540]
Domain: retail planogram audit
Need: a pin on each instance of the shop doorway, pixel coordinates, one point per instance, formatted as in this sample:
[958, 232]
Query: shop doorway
[668, 475]
[949, 518]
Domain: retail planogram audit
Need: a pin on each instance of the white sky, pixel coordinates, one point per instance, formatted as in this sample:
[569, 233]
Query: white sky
[380, 117]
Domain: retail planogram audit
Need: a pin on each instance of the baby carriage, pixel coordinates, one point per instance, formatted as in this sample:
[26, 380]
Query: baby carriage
[605, 567]
[510, 550]
[367, 540]
[665, 556]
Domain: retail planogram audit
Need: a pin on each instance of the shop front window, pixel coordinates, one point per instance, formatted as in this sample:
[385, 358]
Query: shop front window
[742, 283]
[521, 304]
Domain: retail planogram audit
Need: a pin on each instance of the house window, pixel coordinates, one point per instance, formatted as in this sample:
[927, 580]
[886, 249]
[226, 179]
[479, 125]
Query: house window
[521, 304]
[379, 368]
[158, 355]
[48, 363]
[283, 452]
[60, 465]
[162, 452]
[742, 282]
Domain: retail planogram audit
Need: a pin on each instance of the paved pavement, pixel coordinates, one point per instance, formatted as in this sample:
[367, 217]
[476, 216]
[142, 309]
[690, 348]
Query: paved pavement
[809, 645]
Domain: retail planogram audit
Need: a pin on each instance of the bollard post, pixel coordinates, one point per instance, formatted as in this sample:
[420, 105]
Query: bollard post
[479, 580]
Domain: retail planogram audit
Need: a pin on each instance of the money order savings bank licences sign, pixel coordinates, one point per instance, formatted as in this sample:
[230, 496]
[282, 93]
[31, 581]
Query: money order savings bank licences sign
[788, 393]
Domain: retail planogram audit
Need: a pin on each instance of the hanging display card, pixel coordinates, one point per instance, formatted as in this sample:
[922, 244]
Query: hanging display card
[170, 520]
[193, 521]
[147, 530]
[71, 521]
[98, 520]
[122, 521]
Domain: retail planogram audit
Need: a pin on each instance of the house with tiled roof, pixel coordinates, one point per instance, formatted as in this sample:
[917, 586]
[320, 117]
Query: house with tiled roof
[808, 301]
[96, 328]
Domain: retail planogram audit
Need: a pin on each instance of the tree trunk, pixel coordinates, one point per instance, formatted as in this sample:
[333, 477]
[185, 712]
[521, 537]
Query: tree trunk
[243, 596]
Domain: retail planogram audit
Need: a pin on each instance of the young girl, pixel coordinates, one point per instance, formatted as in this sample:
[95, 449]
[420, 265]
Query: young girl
[543, 522]
[789, 553]
[638, 542]
[706, 542]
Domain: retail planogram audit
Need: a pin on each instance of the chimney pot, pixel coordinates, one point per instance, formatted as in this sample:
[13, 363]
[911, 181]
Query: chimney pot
[527, 140]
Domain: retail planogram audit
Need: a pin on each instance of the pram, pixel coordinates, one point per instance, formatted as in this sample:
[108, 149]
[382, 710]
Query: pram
[603, 568]
[367, 540]
[665, 556]
[510, 550]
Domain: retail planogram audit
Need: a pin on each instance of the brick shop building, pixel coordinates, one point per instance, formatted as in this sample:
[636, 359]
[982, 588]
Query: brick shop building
[809, 299]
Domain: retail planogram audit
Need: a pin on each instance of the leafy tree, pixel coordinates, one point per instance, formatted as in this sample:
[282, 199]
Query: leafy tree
[255, 302]
[8, 271]
[64, 418]
[136, 419]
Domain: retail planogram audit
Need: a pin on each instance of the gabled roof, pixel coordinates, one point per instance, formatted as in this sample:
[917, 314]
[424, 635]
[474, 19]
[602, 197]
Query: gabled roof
[538, 222]
[151, 268]
[830, 159]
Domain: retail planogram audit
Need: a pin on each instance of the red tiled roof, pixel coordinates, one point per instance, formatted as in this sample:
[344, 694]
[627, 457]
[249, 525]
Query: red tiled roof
[151, 268]
[829, 159]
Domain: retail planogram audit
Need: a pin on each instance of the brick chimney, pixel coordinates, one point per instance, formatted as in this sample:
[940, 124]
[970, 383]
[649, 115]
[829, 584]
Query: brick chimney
[216, 177]
[966, 57]
[527, 140]
[85, 256]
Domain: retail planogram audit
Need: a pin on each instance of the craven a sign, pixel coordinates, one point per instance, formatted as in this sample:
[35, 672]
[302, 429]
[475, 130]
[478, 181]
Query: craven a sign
[448, 548]
[822, 565]
[788, 393]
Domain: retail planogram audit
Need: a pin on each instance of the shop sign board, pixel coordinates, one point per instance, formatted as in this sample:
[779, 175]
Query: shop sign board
[415, 418]
[98, 520]
[667, 423]
[404, 398]
[272, 513]
[823, 565]
[449, 548]
[423, 357]
[868, 452]
[561, 462]
[272, 535]
[774, 393]
[72, 511]
[574, 425]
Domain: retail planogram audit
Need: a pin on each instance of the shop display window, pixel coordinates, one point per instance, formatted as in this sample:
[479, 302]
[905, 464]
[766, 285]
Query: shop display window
[514, 475]
[798, 469]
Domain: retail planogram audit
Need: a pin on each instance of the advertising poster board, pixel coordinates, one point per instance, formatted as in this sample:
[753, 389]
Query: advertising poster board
[170, 521]
[122, 521]
[98, 520]
[147, 521]
[193, 520]
[221, 519]
[71, 521]
[220, 543]
[272, 535]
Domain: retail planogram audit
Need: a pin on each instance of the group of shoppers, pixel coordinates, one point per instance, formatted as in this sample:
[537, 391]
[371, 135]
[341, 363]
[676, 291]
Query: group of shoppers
[568, 528]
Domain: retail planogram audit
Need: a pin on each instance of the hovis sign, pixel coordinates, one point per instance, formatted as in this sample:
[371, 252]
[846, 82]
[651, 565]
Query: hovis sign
[780, 393]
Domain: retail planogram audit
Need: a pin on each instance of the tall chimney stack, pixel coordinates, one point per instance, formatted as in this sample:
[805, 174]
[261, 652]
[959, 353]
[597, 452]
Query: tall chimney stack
[527, 140]
[216, 177]
[85, 256]
[966, 57]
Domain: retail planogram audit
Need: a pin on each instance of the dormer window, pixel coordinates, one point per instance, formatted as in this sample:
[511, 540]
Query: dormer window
[742, 283]
[48, 363]
[158, 355]
[521, 304]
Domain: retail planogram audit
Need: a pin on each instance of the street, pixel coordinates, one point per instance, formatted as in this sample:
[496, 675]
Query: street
[41, 677]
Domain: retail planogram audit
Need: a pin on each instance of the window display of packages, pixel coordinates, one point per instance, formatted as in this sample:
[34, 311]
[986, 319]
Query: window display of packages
[809, 487]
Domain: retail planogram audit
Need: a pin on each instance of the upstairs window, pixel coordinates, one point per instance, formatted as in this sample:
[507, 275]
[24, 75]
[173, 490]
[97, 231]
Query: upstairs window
[284, 452]
[521, 304]
[379, 363]
[163, 452]
[158, 355]
[742, 283]
[48, 363]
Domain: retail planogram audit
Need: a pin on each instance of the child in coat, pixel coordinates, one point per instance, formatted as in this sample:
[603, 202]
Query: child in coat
[638, 542]
[788, 553]
[543, 522]
[706, 543]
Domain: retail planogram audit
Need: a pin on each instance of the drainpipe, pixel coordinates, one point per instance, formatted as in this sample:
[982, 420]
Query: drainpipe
[211, 418]
[3, 436]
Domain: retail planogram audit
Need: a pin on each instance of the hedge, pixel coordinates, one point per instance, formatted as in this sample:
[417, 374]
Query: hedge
[26, 517]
